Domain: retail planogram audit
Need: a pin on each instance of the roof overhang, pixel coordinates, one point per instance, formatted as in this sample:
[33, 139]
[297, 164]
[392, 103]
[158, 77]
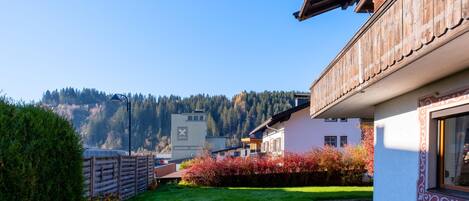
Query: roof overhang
[365, 6]
[391, 55]
[311, 8]
[251, 140]
[280, 117]
[422, 68]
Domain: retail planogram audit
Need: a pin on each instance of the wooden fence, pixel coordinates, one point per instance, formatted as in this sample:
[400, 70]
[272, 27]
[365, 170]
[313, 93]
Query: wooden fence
[125, 176]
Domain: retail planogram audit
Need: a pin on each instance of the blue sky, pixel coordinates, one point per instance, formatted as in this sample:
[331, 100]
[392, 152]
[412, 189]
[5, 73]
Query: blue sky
[165, 47]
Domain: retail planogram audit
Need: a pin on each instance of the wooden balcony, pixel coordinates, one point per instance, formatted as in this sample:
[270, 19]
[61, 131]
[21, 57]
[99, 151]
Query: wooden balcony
[398, 34]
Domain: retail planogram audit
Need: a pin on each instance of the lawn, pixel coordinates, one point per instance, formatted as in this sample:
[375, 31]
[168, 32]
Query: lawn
[188, 193]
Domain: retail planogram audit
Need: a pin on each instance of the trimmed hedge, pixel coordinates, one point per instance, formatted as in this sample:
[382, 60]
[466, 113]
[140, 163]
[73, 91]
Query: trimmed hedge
[320, 167]
[40, 155]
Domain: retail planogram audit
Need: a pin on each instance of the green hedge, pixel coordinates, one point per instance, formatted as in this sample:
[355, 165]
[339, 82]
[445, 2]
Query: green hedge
[40, 155]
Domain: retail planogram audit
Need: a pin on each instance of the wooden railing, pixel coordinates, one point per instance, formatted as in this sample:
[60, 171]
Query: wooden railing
[165, 170]
[123, 176]
[390, 39]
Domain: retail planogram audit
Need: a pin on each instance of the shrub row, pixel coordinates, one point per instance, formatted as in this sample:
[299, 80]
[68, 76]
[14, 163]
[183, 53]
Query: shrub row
[326, 166]
[40, 155]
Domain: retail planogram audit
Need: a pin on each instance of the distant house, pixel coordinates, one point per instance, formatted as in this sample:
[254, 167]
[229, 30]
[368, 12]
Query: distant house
[188, 134]
[294, 131]
[237, 151]
[252, 145]
[407, 68]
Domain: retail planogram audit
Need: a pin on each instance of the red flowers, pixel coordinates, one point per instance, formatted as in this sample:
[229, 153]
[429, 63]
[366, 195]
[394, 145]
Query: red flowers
[320, 166]
[368, 145]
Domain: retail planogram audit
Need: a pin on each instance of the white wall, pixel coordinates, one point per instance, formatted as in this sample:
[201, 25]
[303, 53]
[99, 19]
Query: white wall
[270, 136]
[397, 140]
[303, 133]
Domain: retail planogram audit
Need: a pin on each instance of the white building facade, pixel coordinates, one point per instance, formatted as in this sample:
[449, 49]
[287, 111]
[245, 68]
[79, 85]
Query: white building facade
[293, 131]
[407, 68]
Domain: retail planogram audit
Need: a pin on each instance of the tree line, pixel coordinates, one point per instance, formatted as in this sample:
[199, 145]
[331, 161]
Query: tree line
[103, 123]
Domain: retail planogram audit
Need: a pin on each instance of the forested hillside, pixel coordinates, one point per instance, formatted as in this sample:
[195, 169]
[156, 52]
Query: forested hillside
[103, 123]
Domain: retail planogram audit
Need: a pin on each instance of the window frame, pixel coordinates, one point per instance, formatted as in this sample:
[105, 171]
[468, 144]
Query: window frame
[346, 140]
[279, 144]
[440, 116]
[332, 137]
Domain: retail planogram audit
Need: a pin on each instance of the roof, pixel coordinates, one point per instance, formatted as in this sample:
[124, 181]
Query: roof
[280, 117]
[95, 152]
[250, 140]
[221, 137]
[302, 95]
[180, 160]
[227, 149]
[256, 135]
[311, 8]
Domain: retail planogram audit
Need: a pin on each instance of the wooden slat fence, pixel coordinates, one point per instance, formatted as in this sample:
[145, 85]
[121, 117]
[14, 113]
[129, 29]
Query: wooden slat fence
[125, 176]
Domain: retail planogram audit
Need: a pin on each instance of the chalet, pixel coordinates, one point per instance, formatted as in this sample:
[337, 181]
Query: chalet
[407, 68]
[293, 131]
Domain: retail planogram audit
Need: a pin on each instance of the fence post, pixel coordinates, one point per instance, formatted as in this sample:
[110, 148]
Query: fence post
[136, 174]
[119, 167]
[92, 178]
[147, 170]
[152, 168]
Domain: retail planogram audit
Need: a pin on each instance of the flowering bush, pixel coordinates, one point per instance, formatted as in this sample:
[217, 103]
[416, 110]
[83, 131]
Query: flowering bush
[187, 164]
[368, 145]
[326, 166]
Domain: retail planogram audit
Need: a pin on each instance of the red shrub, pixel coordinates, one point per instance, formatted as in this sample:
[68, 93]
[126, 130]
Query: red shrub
[328, 158]
[327, 166]
[368, 145]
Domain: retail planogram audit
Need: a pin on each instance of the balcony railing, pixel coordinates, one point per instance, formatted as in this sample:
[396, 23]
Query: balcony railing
[394, 36]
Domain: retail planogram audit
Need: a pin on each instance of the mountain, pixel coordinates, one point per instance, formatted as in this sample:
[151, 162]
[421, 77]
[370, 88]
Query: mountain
[103, 123]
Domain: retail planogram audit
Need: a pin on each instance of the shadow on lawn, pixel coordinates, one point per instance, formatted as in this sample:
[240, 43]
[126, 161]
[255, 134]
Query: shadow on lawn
[187, 193]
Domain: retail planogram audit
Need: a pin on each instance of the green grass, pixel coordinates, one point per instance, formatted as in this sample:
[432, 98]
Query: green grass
[188, 193]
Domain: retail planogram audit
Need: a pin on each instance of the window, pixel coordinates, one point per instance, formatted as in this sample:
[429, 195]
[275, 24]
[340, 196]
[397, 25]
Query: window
[196, 118]
[330, 141]
[266, 146]
[189, 118]
[274, 145]
[279, 144]
[201, 118]
[343, 141]
[343, 119]
[330, 120]
[453, 152]
[253, 147]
